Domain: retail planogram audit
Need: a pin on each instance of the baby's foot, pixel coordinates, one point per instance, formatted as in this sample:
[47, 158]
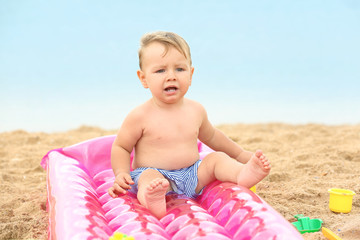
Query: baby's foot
[255, 170]
[155, 196]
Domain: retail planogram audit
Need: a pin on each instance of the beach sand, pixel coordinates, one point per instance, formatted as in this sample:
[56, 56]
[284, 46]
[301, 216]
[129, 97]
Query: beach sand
[307, 160]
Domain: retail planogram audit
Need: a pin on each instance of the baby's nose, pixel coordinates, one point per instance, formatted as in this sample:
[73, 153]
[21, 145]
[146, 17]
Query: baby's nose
[171, 76]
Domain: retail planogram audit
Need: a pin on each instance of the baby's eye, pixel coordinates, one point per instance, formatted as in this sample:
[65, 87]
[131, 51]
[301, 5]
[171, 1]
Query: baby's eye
[160, 71]
[180, 69]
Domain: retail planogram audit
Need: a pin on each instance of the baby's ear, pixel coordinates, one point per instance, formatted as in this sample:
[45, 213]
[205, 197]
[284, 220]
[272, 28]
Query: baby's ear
[141, 76]
[191, 74]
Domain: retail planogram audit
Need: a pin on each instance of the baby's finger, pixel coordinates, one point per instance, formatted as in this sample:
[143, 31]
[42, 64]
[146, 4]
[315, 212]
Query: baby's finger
[111, 192]
[119, 188]
[129, 180]
[123, 183]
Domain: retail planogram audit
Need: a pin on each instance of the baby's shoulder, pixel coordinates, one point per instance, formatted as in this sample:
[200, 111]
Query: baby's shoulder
[138, 112]
[195, 105]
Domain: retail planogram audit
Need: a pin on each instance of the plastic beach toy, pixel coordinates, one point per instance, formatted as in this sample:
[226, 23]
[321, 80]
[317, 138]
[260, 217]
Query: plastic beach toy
[121, 236]
[305, 224]
[79, 206]
[329, 234]
[340, 200]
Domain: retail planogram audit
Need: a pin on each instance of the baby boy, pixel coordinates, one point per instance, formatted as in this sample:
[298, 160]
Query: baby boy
[164, 132]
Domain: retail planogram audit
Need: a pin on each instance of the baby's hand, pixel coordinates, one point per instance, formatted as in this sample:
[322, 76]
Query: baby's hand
[121, 184]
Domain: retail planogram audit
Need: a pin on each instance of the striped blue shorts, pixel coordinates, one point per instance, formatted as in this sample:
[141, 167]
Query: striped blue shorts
[182, 181]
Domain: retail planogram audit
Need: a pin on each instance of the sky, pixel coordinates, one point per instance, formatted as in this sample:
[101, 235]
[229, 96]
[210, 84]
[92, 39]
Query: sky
[64, 64]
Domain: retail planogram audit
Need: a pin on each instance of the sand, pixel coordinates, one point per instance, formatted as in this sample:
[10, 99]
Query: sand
[307, 160]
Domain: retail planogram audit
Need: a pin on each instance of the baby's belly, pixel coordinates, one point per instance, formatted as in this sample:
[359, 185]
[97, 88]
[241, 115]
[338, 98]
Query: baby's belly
[165, 159]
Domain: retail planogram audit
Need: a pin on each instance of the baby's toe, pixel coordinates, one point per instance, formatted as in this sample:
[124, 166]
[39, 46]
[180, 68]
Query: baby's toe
[165, 183]
[258, 153]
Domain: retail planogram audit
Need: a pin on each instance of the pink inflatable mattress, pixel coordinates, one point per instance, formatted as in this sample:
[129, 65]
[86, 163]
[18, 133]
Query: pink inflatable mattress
[80, 208]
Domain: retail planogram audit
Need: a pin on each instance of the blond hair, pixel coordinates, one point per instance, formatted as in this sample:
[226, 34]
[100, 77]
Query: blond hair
[168, 39]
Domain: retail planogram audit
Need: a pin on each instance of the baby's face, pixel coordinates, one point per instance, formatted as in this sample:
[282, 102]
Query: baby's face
[167, 76]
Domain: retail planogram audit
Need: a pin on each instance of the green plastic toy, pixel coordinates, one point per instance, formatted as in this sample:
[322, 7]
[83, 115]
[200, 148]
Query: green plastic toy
[305, 224]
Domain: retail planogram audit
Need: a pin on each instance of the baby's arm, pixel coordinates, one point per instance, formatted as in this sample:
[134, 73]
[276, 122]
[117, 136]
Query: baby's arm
[120, 162]
[126, 139]
[218, 141]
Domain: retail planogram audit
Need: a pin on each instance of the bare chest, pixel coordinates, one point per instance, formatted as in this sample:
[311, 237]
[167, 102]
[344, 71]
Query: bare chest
[178, 128]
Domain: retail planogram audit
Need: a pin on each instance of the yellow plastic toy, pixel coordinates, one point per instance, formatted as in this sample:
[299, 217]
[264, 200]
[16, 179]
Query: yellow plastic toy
[329, 234]
[253, 188]
[121, 236]
[340, 200]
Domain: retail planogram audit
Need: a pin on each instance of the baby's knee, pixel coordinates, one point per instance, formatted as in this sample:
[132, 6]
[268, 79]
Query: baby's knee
[217, 155]
[151, 172]
[214, 157]
[148, 175]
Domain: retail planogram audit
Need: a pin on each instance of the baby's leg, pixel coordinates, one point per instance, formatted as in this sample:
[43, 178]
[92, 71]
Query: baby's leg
[219, 166]
[152, 188]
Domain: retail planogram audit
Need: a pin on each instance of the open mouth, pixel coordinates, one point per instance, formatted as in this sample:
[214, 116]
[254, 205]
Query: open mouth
[170, 89]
